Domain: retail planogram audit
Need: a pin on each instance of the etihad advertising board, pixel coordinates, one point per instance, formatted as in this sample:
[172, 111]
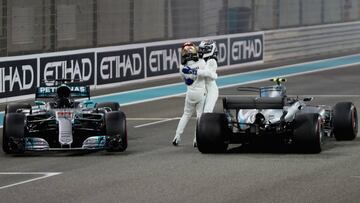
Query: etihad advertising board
[114, 65]
[246, 49]
[18, 77]
[165, 59]
[120, 66]
[73, 66]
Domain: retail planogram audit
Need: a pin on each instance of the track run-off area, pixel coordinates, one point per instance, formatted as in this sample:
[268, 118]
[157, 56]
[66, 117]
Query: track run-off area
[152, 170]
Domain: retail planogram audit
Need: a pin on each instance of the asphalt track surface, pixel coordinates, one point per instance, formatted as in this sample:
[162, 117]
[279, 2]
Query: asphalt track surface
[152, 170]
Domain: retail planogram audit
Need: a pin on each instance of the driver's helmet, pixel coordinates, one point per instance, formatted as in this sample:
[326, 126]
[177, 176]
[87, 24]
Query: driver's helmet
[189, 52]
[63, 97]
[207, 48]
[273, 91]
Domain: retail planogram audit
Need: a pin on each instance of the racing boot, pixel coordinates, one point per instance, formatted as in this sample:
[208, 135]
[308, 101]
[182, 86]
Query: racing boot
[176, 140]
[194, 142]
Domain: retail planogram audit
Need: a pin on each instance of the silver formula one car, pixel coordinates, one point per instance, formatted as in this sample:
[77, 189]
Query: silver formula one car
[61, 123]
[275, 117]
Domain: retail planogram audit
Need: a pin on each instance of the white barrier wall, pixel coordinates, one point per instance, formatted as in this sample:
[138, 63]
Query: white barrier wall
[116, 65]
[40, 26]
[136, 63]
[311, 41]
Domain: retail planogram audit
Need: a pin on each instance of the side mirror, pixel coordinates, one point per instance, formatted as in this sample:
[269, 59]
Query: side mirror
[40, 103]
[88, 102]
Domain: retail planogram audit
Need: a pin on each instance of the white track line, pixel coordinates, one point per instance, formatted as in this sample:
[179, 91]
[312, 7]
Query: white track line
[329, 96]
[156, 122]
[146, 119]
[45, 175]
[300, 95]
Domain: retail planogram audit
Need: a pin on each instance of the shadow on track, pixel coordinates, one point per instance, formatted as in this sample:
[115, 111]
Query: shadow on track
[272, 148]
[68, 154]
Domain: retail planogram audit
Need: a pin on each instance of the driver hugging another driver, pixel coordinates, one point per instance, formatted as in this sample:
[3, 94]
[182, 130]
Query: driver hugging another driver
[198, 70]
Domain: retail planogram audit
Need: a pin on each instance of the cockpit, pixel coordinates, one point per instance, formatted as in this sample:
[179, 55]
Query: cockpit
[63, 99]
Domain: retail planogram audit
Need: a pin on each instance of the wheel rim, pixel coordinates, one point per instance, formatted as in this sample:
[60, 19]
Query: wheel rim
[354, 120]
[320, 130]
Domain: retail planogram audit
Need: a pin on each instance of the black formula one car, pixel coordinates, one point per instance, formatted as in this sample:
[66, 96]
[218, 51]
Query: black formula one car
[274, 117]
[61, 123]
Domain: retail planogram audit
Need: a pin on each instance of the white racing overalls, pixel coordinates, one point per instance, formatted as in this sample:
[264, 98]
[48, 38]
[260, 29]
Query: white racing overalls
[211, 87]
[195, 96]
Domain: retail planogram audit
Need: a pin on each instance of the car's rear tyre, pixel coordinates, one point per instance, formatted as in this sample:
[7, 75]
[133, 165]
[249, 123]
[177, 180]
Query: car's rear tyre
[345, 121]
[115, 122]
[114, 106]
[12, 108]
[211, 133]
[308, 133]
[14, 133]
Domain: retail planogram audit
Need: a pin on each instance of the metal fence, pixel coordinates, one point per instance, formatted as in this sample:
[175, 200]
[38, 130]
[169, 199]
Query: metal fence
[37, 26]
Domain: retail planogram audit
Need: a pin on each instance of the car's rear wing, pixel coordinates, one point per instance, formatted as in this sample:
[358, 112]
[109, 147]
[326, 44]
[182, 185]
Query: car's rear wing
[253, 103]
[76, 91]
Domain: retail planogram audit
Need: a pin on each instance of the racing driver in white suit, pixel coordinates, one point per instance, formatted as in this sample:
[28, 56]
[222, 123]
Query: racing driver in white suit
[208, 51]
[193, 71]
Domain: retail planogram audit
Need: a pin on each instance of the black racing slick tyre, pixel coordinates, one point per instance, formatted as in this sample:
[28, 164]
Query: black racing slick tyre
[114, 106]
[308, 133]
[5, 138]
[14, 133]
[115, 122]
[345, 121]
[12, 108]
[211, 133]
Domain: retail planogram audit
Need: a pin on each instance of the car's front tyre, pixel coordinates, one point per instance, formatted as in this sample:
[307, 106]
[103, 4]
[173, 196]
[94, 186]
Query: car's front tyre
[115, 122]
[12, 108]
[114, 106]
[14, 133]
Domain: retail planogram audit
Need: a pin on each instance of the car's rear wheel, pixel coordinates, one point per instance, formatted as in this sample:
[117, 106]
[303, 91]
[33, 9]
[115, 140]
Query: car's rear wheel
[345, 121]
[308, 133]
[14, 133]
[211, 133]
[116, 128]
[114, 106]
